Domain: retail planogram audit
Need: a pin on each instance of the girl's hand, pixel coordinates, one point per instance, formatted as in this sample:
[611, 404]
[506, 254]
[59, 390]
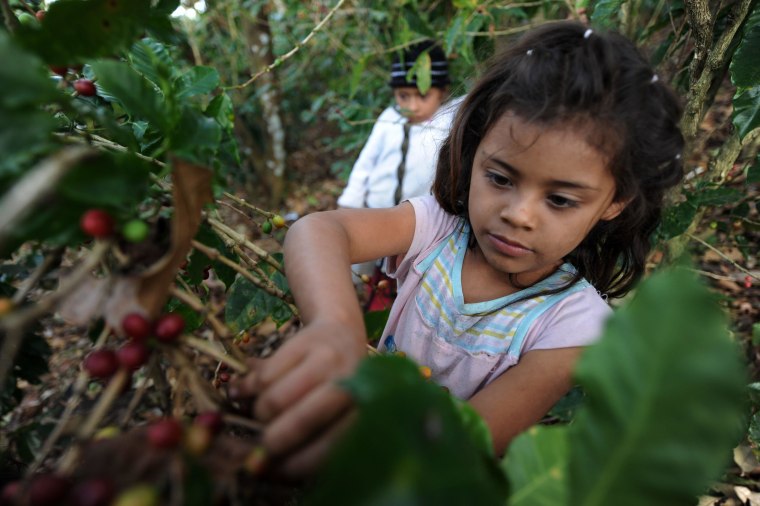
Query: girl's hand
[298, 396]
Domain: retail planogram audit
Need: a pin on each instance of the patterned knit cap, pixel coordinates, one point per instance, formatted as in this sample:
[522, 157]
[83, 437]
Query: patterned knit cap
[439, 68]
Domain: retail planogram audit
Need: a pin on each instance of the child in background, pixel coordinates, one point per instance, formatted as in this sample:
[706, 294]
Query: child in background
[547, 191]
[399, 158]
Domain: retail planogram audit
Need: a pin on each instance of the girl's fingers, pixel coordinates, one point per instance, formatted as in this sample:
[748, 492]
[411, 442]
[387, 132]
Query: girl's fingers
[322, 365]
[306, 461]
[265, 371]
[244, 387]
[306, 418]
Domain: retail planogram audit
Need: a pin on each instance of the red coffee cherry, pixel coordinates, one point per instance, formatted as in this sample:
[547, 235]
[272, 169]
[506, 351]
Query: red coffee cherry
[97, 223]
[136, 326]
[101, 364]
[133, 355]
[85, 87]
[169, 327]
[166, 433]
[40, 15]
[212, 420]
[59, 69]
[48, 490]
[93, 492]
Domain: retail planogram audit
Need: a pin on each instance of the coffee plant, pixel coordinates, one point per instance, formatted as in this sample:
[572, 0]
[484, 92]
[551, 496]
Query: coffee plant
[122, 138]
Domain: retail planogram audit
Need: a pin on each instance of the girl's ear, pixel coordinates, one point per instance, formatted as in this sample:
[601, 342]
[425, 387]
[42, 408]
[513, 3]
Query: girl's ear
[613, 210]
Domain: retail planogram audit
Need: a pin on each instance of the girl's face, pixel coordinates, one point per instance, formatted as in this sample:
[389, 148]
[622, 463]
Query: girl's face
[416, 106]
[535, 193]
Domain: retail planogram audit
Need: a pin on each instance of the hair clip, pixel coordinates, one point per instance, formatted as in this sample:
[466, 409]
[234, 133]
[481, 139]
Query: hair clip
[587, 33]
[655, 78]
[529, 52]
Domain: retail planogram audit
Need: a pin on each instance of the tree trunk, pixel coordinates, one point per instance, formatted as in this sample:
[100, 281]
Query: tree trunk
[272, 171]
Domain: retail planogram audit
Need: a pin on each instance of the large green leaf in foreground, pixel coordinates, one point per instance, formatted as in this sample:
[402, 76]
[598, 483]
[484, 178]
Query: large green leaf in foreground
[409, 446]
[665, 400]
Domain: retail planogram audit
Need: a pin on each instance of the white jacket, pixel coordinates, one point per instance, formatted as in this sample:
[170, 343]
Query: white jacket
[373, 179]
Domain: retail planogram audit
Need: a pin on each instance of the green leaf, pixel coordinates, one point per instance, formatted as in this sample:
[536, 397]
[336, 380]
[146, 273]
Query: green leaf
[411, 443]
[665, 399]
[197, 81]
[454, 32]
[374, 323]
[745, 70]
[536, 467]
[151, 59]
[24, 80]
[77, 30]
[248, 305]
[422, 68]
[196, 137]
[416, 22]
[111, 180]
[137, 95]
[198, 261]
[475, 426]
[24, 134]
[714, 196]
[357, 71]
[746, 116]
[221, 109]
[676, 219]
[606, 12]
[25, 128]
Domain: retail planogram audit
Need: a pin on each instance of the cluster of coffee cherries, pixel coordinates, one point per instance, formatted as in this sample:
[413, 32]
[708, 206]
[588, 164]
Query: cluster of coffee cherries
[104, 362]
[166, 434]
[99, 223]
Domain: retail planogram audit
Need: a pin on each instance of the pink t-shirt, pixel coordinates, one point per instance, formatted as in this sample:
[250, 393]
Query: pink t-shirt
[468, 345]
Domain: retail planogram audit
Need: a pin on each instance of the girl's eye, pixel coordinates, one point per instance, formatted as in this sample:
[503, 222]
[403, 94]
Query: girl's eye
[497, 179]
[562, 202]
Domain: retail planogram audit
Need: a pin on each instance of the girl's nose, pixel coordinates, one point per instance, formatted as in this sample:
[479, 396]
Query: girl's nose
[519, 212]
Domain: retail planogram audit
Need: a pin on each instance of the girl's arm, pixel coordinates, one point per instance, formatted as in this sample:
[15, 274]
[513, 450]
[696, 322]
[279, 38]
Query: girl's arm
[296, 390]
[525, 392]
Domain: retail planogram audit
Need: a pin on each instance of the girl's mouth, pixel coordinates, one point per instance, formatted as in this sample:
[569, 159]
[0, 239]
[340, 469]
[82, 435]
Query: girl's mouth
[507, 247]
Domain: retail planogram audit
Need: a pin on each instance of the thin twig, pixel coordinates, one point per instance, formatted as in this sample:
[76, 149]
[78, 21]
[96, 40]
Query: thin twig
[208, 348]
[722, 255]
[288, 299]
[197, 305]
[268, 287]
[205, 398]
[98, 141]
[242, 202]
[51, 259]
[236, 238]
[280, 59]
[87, 429]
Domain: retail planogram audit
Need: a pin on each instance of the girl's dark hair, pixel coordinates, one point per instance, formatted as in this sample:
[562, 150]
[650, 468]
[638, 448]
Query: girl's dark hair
[565, 74]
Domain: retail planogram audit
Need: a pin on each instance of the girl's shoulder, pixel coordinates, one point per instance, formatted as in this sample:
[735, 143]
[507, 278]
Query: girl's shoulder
[576, 320]
[432, 225]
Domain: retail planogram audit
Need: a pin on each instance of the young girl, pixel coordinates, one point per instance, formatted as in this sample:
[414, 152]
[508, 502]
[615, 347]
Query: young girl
[547, 191]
